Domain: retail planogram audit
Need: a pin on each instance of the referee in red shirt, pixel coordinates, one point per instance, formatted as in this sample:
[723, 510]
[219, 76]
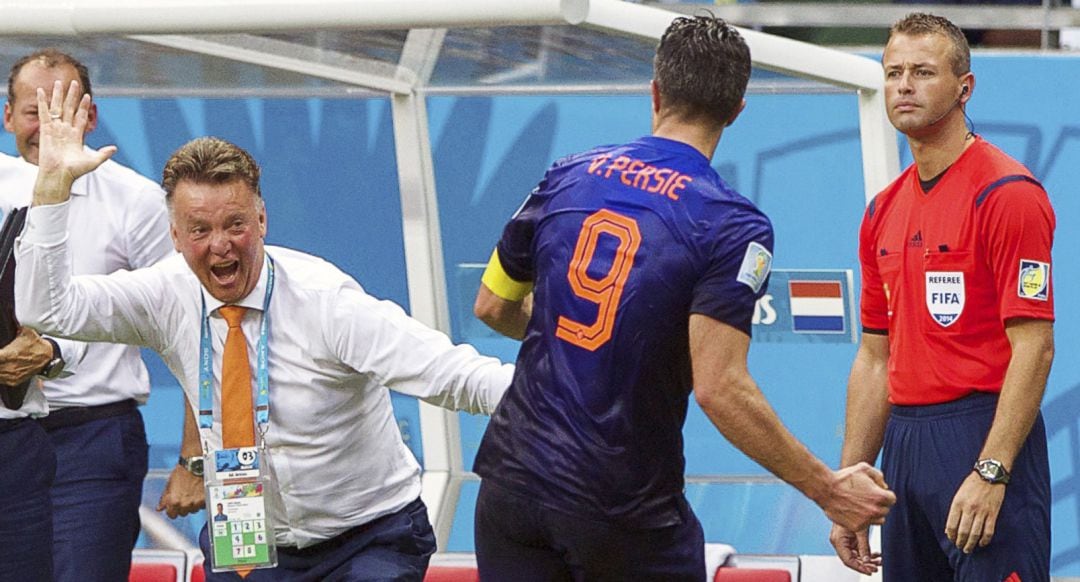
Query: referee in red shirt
[957, 313]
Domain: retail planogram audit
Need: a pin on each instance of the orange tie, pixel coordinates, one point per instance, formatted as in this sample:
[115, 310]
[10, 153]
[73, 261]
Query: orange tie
[237, 411]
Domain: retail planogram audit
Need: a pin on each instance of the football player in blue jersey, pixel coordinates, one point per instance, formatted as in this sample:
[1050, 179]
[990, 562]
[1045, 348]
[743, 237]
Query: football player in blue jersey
[631, 274]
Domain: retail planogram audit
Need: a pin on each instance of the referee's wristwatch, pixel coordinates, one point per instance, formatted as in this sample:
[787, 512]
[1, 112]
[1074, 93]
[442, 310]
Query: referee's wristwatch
[992, 471]
[193, 464]
[55, 365]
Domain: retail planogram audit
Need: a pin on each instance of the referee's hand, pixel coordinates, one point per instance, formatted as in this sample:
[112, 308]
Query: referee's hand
[974, 512]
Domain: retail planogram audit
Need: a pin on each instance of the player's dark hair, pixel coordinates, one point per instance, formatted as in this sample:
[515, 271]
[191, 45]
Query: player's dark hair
[702, 67]
[50, 58]
[919, 24]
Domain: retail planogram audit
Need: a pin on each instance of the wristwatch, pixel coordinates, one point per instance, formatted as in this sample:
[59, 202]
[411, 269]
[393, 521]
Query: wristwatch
[193, 464]
[992, 471]
[55, 364]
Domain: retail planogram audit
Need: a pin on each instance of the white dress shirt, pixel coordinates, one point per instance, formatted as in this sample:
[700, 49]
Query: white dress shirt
[118, 220]
[336, 450]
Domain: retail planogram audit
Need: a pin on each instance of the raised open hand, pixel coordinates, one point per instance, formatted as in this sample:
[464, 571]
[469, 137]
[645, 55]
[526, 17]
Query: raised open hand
[62, 121]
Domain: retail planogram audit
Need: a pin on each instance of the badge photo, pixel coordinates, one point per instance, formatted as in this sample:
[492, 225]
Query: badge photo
[1034, 280]
[945, 296]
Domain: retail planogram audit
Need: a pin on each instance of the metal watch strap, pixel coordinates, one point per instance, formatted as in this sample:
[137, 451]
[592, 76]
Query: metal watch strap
[992, 471]
[192, 464]
[55, 365]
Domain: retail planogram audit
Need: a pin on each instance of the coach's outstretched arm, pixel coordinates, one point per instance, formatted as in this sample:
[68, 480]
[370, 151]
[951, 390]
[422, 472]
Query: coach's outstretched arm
[854, 497]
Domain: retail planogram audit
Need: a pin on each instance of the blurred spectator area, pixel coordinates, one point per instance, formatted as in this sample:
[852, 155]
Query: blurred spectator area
[1028, 24]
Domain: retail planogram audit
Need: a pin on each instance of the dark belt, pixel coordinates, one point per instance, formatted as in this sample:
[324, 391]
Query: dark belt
[66, 417]
[7, 424]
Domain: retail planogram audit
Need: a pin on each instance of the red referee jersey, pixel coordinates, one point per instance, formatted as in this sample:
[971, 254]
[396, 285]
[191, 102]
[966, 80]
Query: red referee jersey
[943, 270]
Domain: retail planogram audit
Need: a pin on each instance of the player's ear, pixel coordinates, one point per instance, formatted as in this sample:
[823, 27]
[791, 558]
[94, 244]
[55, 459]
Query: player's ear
[734, 116]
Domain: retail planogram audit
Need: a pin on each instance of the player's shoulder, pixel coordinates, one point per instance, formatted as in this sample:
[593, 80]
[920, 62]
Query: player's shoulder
[566, 170]
[576, 159]
[716, 197]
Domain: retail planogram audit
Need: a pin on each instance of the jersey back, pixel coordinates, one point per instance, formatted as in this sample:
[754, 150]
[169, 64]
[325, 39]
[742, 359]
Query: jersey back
[622, 244]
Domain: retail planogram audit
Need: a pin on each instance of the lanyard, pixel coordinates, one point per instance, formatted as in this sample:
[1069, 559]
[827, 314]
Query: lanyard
[206, 371]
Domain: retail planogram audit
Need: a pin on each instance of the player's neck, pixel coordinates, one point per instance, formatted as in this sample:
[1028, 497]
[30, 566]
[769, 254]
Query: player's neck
[699, 137]
[934, 152]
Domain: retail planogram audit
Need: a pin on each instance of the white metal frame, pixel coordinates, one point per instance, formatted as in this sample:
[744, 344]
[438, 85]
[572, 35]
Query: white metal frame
[83, 17]
[880, 152]
[178, 24]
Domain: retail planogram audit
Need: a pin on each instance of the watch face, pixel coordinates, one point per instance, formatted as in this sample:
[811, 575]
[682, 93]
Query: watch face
[53, 368]
[991, 471]
[193, 464]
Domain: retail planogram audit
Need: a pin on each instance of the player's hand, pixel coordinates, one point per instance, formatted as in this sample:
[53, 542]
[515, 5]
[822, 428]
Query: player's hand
[858, 497]
[24, 357]
[974, 513]
[183, 495]
[853, 548]
[62, 121]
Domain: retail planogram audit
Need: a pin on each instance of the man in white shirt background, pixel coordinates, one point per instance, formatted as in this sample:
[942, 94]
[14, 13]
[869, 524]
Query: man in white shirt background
[320, 353]
[118, 221]
[27, 467]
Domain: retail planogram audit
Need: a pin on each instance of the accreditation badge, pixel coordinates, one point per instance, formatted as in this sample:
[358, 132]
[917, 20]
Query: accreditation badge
[237, 512]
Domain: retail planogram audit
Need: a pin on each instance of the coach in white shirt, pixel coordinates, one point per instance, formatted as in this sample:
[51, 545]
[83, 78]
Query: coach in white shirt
[349, 487]
[117, 221]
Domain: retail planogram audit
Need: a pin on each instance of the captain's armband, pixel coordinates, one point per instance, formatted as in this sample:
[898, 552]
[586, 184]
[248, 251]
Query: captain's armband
[496, 279]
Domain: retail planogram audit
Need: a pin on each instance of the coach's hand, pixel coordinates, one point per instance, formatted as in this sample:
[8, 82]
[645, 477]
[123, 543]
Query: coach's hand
[853, 548]
[974, 513]
[858, 497]
[184, 493]
[63, 117]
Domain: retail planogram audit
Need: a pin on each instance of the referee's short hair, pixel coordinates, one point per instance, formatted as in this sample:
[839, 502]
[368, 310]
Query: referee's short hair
[920, 23]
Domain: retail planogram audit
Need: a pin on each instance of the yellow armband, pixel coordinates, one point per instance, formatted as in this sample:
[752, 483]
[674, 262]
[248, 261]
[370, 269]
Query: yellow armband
[496, 279]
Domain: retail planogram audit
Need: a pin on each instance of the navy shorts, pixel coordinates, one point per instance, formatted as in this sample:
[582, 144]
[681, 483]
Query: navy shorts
[929, 451]
[520, 540]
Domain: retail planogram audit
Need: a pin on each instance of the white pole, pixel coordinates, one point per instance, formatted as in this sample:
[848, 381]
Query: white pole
[80, 17]
[880, 156]
[880, 151]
